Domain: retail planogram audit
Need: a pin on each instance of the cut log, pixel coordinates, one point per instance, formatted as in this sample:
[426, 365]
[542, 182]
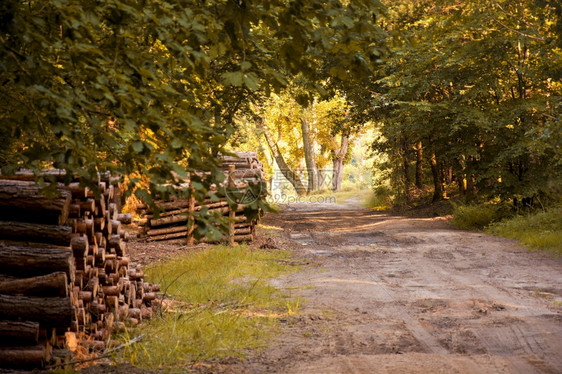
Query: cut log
[48, 311]
[79, 245]
[88, 205]
[115, 227]
[54, 284]
[182, 234]
[16, 333]
[167, 230]
[125, 218]
[22, 201]
[196, 208]
[22, 357]
[33, 232]
[86, 296]
[29, 261]
[184, 217]
[115, 242]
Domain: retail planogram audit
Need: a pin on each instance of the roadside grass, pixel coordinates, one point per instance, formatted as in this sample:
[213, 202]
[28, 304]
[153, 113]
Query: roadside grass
[537, 230]
[219, 304]
[541, 230]
[479, 216]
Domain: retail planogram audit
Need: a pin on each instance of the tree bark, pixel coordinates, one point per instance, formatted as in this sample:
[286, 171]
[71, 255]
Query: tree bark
[35, 261]
[48, 311]
[289, 174]
[22, 357]
[54, 284]
[406, 169]
[419, 165]
[34, 232]
[309, 156]
[437, 182]
[16, 333]
[22, 201]
[338, 157]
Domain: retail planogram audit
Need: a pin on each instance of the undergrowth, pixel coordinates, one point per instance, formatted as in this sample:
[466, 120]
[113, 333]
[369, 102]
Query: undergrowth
[536, 229]
[221, 305]
[541, 230]
[479, 216]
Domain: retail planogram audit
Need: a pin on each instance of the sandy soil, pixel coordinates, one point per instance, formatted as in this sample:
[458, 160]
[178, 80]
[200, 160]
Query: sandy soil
[388, 294]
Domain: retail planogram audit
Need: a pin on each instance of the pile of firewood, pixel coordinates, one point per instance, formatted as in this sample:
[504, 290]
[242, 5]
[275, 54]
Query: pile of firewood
[172, 220]
[64, 270]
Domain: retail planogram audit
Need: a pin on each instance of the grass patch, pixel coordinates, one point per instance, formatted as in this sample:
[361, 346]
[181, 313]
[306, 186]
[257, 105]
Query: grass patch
[541, 230]
[222, 305]
[478, 216]
[381, 198]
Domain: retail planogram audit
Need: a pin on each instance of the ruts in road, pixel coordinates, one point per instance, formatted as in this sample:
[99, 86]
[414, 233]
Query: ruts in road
[391, 294]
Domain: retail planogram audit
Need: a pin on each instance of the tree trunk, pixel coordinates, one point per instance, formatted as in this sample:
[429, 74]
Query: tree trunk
[289, 174]
[338, 158]
[406, 169]
[21, 201]
[34, 232]
[321, 183]
[35, 261]
[437, 182]
[49, 311]
[54, 284]
[19, 333]
[419, 165]
[309, 157]
[470, 188]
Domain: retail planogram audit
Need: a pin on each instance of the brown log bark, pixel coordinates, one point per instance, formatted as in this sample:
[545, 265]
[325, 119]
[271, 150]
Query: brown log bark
[29, 261]
[54, 284]
[34, 232]
[167, 230]
[22, 357]
[15, 333]
[22, 201]
[85, 295]
[49, 312]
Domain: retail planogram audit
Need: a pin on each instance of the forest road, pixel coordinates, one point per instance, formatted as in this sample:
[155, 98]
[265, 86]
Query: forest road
[390, 294]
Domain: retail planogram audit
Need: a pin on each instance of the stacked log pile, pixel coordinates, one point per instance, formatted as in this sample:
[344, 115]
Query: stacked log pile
[172, 222]
[64, 271]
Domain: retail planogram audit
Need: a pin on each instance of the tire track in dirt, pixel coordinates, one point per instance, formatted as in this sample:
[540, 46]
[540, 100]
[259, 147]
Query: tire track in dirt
[395, 294]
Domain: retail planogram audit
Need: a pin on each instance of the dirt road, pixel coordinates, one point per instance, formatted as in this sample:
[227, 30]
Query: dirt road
[386, 294]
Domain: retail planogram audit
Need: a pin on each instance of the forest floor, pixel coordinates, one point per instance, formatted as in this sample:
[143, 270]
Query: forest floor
[393, 294]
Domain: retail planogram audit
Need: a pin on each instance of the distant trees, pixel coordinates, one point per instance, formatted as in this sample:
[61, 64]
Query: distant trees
[312, 138]
[474, 88]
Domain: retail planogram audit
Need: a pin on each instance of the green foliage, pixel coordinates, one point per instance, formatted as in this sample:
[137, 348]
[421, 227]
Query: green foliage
[542, 230]
[476, 83]
[150, 89]
[479, 216]
[381, 198]
[222, 306]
